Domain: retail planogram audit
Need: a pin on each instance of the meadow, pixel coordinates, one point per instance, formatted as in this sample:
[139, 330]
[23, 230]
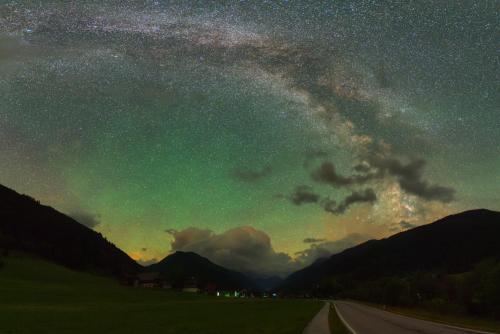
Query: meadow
[40, 297]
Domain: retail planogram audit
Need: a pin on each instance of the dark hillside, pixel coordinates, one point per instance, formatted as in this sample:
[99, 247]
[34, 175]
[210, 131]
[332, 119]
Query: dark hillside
[181, 266]
[27, 225]
[451, 265]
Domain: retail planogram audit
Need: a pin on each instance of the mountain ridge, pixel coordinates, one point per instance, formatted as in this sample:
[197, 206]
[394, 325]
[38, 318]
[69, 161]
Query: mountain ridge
[181, 266]
[451, 244]
[27, 225]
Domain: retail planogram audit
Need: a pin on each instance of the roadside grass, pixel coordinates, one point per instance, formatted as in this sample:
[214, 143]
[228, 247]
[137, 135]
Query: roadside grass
[482, 324]
[40, 297]
[336, 325]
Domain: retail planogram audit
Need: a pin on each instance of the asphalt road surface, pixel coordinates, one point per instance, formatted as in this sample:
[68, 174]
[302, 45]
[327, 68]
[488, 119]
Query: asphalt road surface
[368, 320]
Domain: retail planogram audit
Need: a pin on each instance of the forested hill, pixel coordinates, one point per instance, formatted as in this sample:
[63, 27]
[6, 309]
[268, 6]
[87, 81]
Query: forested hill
[29, 226]
[451, 261]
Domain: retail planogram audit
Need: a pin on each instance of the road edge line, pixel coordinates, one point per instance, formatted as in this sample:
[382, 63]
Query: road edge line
[349, 328]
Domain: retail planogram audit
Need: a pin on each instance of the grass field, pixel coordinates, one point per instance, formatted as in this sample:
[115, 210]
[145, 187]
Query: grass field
[41, 297]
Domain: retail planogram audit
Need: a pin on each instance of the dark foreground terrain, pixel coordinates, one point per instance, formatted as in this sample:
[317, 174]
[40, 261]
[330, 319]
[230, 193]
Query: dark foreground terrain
[42, 297]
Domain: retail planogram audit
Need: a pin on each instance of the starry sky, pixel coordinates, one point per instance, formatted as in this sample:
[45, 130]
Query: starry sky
[261, 134]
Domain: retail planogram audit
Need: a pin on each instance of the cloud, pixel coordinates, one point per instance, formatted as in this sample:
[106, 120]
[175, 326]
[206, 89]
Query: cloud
[312, 155]
[327, 248]
[365, 196]
[249, 250]
[362, 168]
[249, 175]
[329, 205]
[410, 179]
[327, 173]
[312, 240]
[304, 195]
[189, 237]
[244, 249]
[88, 219]
[406, 225]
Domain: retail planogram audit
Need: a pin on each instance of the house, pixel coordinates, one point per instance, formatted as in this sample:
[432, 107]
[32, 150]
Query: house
[190, 285]
[151, 280]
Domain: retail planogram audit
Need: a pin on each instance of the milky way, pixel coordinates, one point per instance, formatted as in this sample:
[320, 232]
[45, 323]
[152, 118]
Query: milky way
[244, 130]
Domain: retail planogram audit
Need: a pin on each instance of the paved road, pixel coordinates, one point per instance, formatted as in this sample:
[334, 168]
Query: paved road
[368, 320]
[319, 324]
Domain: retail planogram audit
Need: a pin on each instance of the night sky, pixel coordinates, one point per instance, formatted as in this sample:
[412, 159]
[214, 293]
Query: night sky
[261, 134]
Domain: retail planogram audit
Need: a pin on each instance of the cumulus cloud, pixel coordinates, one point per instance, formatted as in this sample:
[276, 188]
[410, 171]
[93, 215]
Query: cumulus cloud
[244, 249]
[365, 196]
[325, 249]
[304, 195]
[88, 219]
[189, 237]
[250, 175]
[250, 251]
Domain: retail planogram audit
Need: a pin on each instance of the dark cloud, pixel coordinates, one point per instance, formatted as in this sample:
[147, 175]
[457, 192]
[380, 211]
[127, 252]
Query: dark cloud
[327, 248]
[88, 219]
[329, 205]
[365, 196]
[304, 195]
[362, 168]
[244, 249]
[249, 175]
[313, 155]
[411, 180]
[428, 192]
[406, 225]
[312, 240]
[327, 173]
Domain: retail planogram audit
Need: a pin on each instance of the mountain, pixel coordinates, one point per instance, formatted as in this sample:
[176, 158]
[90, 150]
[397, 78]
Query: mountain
[28, 226]
[181, 266]
[268, 283]
[454, 244]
